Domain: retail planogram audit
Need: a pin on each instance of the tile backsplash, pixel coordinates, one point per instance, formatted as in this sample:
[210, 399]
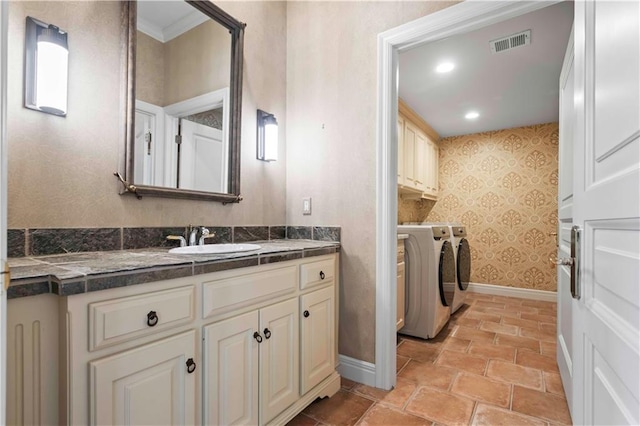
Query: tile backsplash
[39, 242]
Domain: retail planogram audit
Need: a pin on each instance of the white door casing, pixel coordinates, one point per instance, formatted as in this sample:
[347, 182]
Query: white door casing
[606, 206]
[4, 278]
[565, 303]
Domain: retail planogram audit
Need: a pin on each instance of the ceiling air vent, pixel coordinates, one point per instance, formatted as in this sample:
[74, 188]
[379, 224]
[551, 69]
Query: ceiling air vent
[515, 40]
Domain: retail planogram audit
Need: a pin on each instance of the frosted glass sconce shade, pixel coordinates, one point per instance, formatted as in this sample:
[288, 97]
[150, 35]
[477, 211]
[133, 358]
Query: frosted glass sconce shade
[267, 136]
[46, 68]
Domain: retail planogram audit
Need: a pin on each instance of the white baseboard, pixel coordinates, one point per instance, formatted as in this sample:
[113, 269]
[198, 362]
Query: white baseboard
[357, 370]
[524, 293]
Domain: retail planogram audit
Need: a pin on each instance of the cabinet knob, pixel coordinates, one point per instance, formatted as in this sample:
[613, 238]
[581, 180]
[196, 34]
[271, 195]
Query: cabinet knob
[267, 333]
[306, 314]
[258, 337]
[152, 318]
[191, 365]
[321, 275]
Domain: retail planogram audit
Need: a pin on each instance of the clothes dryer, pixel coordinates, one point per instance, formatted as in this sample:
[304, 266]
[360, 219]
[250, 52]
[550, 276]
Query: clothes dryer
[462, 254]
[431, 274]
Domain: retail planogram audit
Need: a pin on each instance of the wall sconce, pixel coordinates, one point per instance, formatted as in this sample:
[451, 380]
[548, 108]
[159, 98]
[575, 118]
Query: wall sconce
[267, 136]
[46, 68]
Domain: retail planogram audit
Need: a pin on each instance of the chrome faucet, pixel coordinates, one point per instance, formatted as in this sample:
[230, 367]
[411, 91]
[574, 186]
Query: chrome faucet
[193, 234]
[204, 234]
[180, 238]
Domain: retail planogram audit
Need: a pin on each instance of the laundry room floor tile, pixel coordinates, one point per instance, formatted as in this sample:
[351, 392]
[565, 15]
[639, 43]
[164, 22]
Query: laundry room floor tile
[476, 371]
[441, 407]
[488, 416]
[432, 375]
[384, 416]
[491, 351]
[483, 389]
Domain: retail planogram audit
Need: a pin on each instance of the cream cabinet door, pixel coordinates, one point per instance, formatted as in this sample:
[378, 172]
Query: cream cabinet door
[431, 164]
[230, 389]
[410, 133]
[420, 161]
[279, 351]
[400, 150]
[317, 335]
[149, 385]
[400, 297]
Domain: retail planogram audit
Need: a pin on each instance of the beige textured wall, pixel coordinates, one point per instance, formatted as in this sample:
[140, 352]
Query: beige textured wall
[197, 62]
[331, 139]
[503, 186]
[61, 169]
[149, 69]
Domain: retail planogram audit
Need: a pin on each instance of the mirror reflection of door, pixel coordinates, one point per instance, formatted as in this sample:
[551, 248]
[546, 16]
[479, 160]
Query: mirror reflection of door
[183, 73]
[202, 155]
[149, 146]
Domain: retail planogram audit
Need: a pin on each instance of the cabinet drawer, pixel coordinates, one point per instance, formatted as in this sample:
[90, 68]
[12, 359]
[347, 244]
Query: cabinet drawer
[227, 294]
[315, 273]
[119, 320]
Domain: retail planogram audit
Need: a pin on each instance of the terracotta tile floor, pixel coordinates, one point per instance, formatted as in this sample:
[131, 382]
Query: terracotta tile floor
[493, 364]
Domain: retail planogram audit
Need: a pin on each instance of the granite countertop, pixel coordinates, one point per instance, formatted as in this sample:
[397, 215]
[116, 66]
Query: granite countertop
[75, 273]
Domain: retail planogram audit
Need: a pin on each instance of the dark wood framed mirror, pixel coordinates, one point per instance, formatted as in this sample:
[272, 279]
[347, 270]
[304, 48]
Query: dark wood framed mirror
[183, 100]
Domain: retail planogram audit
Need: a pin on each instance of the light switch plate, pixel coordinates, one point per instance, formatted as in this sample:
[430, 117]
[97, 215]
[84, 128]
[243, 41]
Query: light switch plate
[306, 206]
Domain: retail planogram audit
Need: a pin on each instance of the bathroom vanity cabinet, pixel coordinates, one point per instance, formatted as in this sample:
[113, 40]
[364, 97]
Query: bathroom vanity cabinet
[252, 345]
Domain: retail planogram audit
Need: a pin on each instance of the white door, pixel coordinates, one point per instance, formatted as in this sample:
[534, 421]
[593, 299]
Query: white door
[566, 304]
[151, 385]
[279, 368]
[3, 207]
[149, 144]
[203, 158]
[317, 335]
[606, 206]
[230, 393]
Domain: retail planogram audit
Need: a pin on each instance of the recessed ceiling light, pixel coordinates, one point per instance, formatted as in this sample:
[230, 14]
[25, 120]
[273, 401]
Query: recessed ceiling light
[472, 115]
[445, 67]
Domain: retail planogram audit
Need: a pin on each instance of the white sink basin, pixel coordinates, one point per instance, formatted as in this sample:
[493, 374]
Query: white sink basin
[214, 249]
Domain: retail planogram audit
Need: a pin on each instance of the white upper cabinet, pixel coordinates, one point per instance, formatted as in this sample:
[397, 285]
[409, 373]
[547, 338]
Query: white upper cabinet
[417, 156]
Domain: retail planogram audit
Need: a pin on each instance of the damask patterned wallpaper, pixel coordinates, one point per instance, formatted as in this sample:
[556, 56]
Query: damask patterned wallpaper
[413, 210]
[503, 186]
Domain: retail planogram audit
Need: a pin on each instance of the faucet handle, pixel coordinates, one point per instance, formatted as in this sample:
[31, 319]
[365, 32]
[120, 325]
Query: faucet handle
[206, 234]
[180, 238]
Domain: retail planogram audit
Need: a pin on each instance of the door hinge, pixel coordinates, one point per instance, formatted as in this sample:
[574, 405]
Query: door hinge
[147, 139]
[178, 139]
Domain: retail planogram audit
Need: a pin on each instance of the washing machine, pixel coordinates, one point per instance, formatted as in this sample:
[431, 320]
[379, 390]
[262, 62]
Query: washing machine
[431, 274]
[462, 255]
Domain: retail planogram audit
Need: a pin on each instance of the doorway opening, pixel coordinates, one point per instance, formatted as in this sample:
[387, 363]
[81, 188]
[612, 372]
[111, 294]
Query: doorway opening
[458, 19]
